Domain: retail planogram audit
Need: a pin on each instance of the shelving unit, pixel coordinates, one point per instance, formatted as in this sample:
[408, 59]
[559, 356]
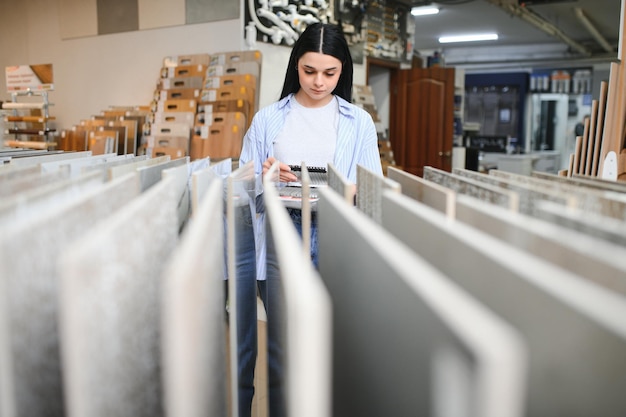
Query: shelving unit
[458, 149]
[459, 100]
[26, 128]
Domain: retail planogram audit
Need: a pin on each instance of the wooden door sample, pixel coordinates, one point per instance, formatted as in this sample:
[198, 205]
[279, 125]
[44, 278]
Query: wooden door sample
[423, 112]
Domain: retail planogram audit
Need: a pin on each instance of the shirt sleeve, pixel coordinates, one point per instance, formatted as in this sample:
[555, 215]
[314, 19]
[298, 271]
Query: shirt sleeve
[369, 156]
[253, 143]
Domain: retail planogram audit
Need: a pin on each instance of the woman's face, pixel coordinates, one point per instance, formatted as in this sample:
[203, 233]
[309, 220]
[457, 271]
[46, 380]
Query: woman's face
[318, 75]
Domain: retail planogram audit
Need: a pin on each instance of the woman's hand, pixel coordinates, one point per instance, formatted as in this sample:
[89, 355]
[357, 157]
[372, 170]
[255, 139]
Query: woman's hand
[285, 174]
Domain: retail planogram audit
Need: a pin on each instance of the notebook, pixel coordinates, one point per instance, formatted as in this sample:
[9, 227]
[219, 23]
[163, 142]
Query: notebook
[291, 193]
[318, 176]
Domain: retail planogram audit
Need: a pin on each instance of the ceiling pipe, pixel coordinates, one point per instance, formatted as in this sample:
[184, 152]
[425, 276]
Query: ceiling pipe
[580, 14]
[540, 23]
[518, 63]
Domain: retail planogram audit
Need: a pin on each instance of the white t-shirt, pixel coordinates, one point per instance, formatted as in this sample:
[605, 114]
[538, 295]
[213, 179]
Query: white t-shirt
[309, 135]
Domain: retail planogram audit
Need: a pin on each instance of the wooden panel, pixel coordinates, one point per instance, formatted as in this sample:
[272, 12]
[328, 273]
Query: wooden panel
[595, 161]
[573, 169]
[591, 139]
[131, 134]
[580, 168]
[609, 139]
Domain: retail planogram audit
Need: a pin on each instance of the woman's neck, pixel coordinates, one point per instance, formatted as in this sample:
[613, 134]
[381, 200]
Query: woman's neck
[305, 101]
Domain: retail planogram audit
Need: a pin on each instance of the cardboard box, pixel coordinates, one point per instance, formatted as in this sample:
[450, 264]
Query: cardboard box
[178, 94]
[168, 142]
[177, 105]
[170, 129]
[194, 59]
[198, 70]
[234, 57]
[361, 89]
[181, 82]
[253, 68]
[363, 99]
[181, 117]
[231, 92]
[247, 80]
[174, 153]
[221, 142]
[236, 122]
[385, 151]
[228, 119]
[206, 111]
[226, 106]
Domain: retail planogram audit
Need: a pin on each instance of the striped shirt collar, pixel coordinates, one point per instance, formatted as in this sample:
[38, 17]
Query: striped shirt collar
[345, 108]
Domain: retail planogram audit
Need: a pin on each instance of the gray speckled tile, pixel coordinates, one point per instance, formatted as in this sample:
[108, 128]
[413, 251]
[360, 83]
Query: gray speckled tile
[110, 308]
[470, 187]
[32, 379]
[193, 316]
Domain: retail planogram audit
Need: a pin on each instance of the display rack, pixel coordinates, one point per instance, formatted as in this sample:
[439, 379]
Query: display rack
[27, 128]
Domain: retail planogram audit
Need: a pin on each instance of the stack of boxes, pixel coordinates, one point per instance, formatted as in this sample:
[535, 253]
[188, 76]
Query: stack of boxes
[116, 129]
[363, 97]
[229, 99]
[175, 104]
[204, 104]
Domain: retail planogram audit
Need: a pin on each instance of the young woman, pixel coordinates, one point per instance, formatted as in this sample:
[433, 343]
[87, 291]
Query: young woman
[314, 121]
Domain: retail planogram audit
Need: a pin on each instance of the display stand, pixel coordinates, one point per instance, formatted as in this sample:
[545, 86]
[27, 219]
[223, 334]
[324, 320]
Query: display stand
[28, 129]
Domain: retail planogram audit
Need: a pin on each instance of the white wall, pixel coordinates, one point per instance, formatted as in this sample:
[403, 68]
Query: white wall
[92, 73]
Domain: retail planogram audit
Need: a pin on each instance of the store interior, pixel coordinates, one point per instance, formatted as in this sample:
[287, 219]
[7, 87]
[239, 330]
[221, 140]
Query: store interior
[483, 275]
[121, 67]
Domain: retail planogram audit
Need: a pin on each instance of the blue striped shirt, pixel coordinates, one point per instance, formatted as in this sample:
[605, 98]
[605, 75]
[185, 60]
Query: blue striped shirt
[357, 144]
[357, 141]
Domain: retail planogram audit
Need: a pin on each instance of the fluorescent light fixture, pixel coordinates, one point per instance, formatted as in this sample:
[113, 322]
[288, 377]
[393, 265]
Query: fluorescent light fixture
[469, 38]
[424, 10]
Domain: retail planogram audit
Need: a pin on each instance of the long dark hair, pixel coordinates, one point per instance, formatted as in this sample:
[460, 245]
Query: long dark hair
[327, 39]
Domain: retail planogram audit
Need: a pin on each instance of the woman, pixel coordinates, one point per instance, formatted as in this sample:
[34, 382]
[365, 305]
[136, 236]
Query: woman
[313, 122]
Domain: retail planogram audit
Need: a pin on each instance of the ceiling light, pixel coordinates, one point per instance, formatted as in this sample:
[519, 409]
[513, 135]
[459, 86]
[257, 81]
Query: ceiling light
[424, 10]
[469, 38]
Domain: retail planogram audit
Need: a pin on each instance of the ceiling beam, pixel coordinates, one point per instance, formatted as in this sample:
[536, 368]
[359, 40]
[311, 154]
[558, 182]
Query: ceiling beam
[580, 14]
[540, 23]
[509, 62]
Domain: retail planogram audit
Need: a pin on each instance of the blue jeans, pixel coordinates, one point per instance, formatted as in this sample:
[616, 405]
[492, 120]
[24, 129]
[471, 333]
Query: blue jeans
[296, 218]
[270, 292]
[246, 307]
